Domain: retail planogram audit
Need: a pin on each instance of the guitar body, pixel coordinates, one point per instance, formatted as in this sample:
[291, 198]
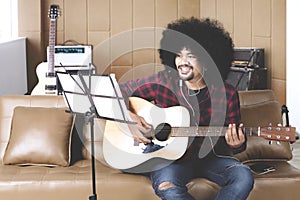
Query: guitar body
[46, 82]
[118, 145]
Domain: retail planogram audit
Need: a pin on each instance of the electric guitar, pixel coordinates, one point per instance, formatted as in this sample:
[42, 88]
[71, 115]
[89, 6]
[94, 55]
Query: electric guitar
[171, 130]
[47, 84]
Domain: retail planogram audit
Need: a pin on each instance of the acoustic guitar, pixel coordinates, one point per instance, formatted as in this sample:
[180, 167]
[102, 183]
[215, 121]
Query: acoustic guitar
[171, 131]
[47, 84]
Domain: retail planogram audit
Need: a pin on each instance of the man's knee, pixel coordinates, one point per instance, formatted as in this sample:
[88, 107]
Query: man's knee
[165, 185]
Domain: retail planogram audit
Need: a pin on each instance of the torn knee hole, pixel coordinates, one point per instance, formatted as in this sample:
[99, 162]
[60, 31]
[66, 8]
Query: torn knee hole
[165, 185]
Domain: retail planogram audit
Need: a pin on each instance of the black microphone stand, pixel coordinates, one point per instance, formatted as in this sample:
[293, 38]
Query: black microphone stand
[285, 116]
[90, 118]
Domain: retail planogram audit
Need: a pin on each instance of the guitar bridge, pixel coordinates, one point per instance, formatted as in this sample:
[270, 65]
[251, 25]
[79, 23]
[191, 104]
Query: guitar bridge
[50, 74]
[50, 87]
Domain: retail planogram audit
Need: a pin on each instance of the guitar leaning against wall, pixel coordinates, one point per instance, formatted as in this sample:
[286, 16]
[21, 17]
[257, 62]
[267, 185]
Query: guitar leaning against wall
[47, 84]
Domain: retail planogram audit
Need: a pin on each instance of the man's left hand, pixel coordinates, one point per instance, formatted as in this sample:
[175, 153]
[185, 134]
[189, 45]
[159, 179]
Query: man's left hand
[234, 137]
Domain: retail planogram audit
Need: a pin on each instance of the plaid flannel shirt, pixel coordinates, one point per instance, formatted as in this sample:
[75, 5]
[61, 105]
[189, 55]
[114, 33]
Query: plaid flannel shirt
[217, 106]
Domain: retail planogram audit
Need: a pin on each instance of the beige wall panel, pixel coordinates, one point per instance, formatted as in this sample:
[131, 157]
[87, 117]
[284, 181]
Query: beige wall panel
[121, 15]
[166, 11]
[261, 18]
[60, 37]
[29, 17]
[96, 38]
[225, 14]
[143, 13]
[188, 8]
[143, 38]
[75, 20]
[123, 59]
[262, 42]
[142, 57]
[208, 8]
[98, 15]
[101, 51]
[123, 73]
[242, 23]
[279, 88]
[143, 70]
[121, 26]
[278, 54]
[121, 48]
[143, 46]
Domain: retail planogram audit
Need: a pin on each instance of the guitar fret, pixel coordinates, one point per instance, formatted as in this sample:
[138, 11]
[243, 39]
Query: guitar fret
[51, 45]
[197, 131]
[209, 131]
[275, 133]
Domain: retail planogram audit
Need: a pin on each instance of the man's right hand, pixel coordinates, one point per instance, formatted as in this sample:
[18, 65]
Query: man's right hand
[138, 130]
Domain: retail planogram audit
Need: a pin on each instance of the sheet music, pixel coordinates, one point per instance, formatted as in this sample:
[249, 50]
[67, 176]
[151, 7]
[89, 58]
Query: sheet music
[104, 90]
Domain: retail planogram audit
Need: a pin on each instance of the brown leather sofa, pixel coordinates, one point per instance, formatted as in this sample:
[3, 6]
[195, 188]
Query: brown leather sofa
[71, 179]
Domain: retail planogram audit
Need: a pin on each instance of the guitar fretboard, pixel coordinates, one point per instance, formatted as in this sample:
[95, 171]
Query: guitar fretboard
[208, 131]
[51, 45]
[269, 133]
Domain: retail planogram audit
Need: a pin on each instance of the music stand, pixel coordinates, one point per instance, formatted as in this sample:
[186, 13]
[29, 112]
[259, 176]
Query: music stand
[93, 96]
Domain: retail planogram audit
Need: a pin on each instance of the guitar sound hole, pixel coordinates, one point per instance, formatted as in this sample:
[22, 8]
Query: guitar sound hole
[162, 131]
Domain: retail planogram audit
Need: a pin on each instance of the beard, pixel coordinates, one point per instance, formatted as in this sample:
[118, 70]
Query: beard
[185, 72]
[186, 78]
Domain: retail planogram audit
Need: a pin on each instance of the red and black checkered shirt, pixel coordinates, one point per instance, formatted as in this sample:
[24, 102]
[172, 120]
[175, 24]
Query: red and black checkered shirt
[215, 105]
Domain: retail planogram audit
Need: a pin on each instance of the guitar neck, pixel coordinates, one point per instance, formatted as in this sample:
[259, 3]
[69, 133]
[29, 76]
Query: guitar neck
[202, 131]
[286, 134]
[51, 46]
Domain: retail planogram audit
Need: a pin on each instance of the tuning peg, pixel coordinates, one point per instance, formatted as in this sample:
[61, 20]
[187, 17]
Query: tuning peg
[270, 142]
[278, 142]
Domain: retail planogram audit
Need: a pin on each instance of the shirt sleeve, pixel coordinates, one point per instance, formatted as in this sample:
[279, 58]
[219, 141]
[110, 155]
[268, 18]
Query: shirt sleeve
[233, 108]
[234, 116]
[144, 88]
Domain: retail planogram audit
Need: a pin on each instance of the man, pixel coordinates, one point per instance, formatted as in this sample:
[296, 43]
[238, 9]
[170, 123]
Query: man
[197, 55]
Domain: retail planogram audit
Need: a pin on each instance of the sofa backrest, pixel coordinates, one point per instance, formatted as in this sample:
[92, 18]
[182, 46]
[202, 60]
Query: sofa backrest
[7, 105]
[258, 108]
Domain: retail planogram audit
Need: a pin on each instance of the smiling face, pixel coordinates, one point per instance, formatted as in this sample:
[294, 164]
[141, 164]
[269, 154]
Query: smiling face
[188, 66]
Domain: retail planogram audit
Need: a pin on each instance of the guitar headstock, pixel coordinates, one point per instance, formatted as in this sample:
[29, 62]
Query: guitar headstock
[279, 133]
[54, 12]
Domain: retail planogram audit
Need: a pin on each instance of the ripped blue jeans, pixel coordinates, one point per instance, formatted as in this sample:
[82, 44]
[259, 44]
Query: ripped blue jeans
[236, 180]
